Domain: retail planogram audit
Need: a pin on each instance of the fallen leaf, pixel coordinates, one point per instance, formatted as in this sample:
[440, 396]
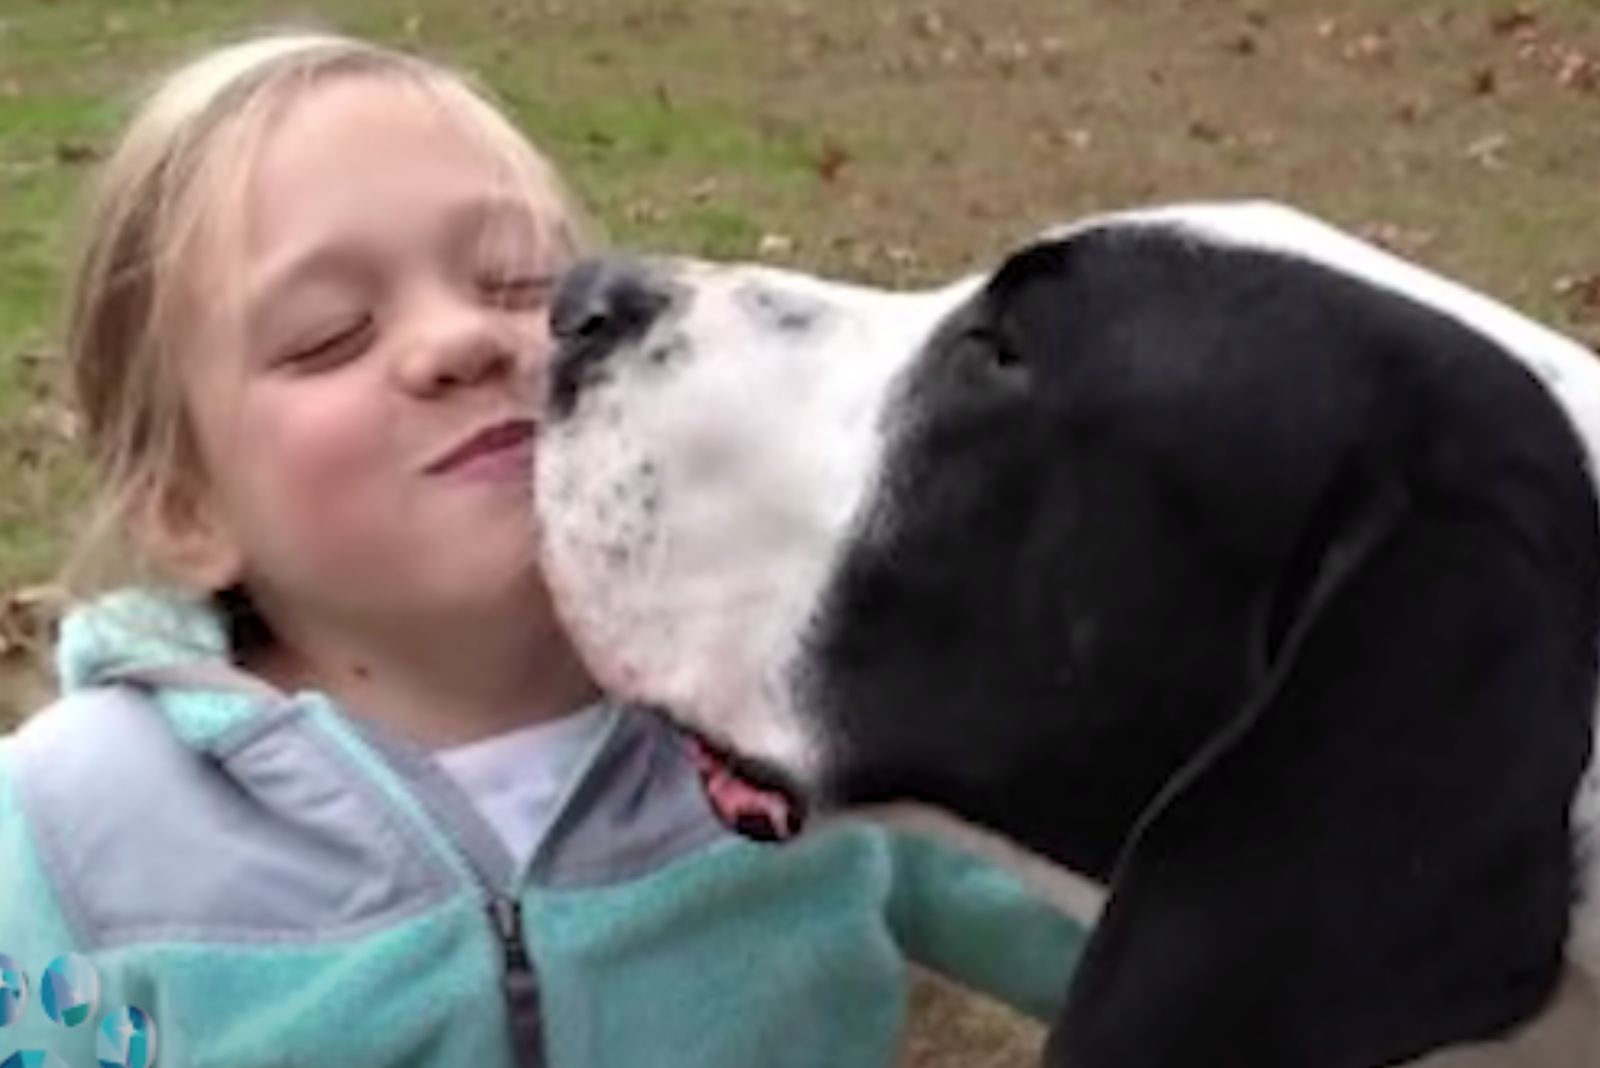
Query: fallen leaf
[1487, 151]
[1007, 56]
[900, 255]
[644, 211]
[1581, 291]
[28, 617]
[832, 158]
[1076, 138]
[1373, 46]
[48, 419]
[928, 24]
[1518, 20]
[775, 245]
[75, 153]
[1578, 71]
[1241, 44]
[1411, 111]
[1402, 240]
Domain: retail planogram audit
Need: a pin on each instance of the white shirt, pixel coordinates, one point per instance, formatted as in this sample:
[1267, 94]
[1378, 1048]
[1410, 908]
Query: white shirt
[517, 780]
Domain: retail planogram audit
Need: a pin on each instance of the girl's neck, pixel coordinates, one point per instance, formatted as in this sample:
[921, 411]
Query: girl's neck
[435, 693]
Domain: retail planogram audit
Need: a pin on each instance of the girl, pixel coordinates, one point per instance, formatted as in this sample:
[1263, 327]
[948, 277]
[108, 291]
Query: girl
[327, 785]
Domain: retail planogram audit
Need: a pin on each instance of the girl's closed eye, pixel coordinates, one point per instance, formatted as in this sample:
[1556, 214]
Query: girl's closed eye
[516, 290]
[330, 346]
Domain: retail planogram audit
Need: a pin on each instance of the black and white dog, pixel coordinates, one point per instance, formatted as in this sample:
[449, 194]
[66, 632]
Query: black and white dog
[1209, 551]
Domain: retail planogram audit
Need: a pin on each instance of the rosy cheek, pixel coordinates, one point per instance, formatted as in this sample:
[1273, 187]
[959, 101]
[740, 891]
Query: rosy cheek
[321, 470]
[327, 461]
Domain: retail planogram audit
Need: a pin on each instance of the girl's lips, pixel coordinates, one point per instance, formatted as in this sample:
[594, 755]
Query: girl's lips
[490, 447]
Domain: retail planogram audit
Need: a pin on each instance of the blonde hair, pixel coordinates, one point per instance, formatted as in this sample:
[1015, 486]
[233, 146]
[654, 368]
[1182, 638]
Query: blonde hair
[184, 157]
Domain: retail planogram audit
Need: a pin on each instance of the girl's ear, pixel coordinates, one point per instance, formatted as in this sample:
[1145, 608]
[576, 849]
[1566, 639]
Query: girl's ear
[186, 533]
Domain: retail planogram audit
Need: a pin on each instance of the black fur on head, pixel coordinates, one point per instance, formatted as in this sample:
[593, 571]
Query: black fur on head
[1265, 595]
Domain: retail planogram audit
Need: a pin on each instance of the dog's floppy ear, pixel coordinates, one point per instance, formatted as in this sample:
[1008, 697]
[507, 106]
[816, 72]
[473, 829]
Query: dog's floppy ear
[1371, 860]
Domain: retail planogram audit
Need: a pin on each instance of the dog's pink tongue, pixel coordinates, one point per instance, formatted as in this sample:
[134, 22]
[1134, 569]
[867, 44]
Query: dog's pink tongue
[753, 811]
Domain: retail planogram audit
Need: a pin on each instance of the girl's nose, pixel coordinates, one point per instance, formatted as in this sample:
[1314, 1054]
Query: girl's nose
[458, 343]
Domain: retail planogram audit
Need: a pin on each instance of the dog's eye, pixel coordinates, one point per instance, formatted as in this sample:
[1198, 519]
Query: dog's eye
[1005, 355]
[788, 313]
[993, 352]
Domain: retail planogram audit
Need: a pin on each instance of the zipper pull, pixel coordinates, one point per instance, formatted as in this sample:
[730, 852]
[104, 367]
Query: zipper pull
[521, 987]
[507, 915]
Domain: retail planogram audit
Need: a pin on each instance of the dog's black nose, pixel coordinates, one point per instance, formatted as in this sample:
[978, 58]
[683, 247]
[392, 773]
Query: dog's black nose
[605, 299]
[599, 304]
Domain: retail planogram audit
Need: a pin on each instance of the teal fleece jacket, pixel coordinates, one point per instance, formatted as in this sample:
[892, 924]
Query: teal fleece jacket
[276, 883]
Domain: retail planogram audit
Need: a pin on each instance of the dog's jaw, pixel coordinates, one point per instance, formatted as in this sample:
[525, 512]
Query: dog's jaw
[660, 614]
[687, 552]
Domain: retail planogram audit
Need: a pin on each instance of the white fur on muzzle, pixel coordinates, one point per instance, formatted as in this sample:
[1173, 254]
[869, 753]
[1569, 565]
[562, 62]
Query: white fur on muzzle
[695, 497]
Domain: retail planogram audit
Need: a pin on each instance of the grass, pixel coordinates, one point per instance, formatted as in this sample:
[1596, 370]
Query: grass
[894, 142]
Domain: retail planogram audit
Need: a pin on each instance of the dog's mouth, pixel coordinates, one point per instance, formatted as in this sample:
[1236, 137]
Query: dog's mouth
[750, 796]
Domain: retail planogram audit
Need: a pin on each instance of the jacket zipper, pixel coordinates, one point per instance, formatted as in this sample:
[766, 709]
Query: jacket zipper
[520, 984]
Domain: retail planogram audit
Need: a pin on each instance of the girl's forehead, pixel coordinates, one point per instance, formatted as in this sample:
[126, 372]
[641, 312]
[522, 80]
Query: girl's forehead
[379, 150]
[367, 125]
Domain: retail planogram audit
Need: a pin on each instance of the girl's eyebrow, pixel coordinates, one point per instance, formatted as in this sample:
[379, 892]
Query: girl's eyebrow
[477, 210]
[481, 218]
[468, 220]
[333, 262]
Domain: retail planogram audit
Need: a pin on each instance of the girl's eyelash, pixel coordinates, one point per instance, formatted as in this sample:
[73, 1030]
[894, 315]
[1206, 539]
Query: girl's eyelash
[517, 290]
[331, 348]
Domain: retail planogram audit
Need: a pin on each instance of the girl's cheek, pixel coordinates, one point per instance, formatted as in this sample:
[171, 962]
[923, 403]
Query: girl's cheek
[311, 455]
[330, 451]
